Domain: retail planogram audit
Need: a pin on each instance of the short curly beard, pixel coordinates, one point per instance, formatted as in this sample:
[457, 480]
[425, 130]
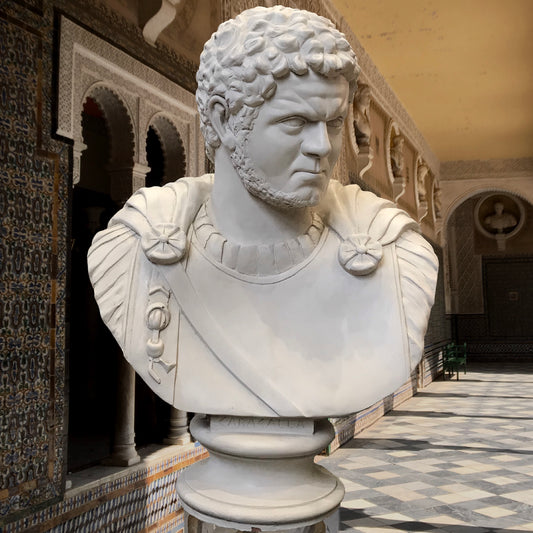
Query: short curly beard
[258, 186]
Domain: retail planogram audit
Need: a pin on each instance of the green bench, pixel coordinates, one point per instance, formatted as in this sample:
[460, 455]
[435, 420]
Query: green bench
[454, 358]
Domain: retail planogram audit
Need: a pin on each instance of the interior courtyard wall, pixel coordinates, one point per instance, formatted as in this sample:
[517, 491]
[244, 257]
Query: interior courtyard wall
[36, 173]
[490, 296]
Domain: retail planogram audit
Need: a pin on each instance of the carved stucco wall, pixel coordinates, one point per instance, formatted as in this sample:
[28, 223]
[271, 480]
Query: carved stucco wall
[36, 178]
[88, 64]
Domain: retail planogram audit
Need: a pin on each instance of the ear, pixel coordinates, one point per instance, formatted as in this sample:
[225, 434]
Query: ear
[218, 113]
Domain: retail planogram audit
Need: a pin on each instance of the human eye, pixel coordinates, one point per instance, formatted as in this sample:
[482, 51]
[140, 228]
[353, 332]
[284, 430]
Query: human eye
[336, 123]
[292, 123]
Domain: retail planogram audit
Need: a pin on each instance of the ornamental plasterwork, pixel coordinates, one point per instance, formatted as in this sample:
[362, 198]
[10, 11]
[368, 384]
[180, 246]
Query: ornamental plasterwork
[358, 130]
[85, 60]
[231, 8]
[171, 145]
[394, 142]
[421, 174]
[436, 195]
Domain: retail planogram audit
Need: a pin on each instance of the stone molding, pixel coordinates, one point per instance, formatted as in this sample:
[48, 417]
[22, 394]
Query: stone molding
[460, 180]
[86, 61]
[488, 168]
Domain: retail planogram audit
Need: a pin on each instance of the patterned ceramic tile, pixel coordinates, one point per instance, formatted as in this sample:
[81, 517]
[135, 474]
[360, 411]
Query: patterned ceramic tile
[446, 460]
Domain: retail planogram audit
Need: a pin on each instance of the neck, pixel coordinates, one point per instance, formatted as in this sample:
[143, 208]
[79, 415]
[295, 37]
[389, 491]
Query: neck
[249, 220]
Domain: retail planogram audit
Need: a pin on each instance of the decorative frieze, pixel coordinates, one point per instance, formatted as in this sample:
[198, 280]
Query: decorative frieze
[89, 66]
[488, 168]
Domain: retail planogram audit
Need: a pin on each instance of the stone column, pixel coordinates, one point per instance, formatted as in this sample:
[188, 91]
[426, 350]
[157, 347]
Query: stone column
[126, 180]
[138, 176]
[77, 150]
[178, 431]
[124, 452]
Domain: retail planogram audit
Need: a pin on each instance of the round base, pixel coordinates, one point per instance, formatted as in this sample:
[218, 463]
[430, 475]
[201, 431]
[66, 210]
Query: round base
[260, 473]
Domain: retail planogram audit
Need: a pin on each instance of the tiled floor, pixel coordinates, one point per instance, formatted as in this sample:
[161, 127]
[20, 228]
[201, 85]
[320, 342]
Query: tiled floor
[458, 457]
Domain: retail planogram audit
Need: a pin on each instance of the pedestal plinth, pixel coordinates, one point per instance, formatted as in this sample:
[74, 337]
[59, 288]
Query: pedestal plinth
[260, 473]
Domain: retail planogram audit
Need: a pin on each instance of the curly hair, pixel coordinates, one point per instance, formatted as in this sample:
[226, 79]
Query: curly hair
[244, 57]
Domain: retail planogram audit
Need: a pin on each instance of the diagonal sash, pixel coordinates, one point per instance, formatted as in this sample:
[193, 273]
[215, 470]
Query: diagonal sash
[230, 356]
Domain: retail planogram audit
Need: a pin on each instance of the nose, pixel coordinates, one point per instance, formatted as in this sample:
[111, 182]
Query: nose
[316, 140]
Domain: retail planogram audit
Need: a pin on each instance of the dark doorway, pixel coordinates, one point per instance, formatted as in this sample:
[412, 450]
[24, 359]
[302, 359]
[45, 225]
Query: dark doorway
[92, 350]
[509, 297]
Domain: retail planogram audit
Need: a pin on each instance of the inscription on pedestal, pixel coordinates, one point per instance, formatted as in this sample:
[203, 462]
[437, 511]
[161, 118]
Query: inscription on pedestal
[250, 424]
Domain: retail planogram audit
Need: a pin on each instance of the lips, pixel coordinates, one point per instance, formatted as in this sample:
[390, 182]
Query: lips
[310, 171]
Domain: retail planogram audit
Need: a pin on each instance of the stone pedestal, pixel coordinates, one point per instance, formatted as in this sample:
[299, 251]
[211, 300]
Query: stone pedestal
[260, 474]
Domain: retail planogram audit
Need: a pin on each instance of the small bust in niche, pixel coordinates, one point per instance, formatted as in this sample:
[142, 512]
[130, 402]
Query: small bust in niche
[396, 156]
[422, 172]
[361, 110]
[437, 201]
[499, 221]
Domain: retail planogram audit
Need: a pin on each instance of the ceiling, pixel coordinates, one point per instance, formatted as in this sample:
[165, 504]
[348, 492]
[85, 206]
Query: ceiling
[463, 69]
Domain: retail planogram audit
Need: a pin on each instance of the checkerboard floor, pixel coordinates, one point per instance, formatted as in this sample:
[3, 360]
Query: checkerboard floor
[457, 457]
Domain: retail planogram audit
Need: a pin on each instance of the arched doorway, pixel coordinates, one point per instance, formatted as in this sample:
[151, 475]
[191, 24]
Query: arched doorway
[92, 350]
[129, 96]
[165, 152]
[489, 239]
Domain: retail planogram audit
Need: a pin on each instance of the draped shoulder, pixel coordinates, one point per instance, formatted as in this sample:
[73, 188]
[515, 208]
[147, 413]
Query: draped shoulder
[153, 222]
[365, 223]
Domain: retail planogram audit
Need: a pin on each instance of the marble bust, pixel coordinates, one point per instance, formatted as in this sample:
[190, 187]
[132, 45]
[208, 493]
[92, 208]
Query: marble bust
[499, 222]
[266, 289]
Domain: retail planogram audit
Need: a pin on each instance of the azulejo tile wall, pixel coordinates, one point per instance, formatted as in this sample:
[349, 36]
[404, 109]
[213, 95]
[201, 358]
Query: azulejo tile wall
[143, 497]
[33, 228]
[35, 187]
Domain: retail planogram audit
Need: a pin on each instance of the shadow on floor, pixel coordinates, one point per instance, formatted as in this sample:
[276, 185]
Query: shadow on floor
[347, 515]
[422, 394]
[413, 444]
[448, 414]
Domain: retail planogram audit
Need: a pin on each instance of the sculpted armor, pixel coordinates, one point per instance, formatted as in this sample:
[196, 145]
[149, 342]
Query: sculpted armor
[219, 328]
